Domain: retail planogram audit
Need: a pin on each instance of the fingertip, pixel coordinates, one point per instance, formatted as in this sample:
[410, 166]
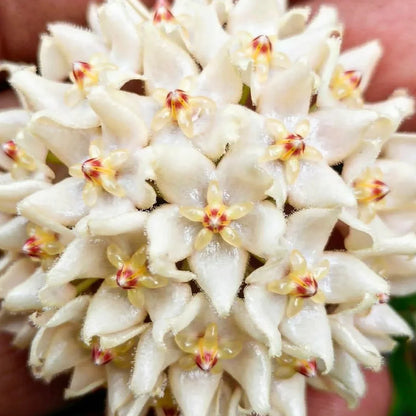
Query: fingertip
[376, 402]
[20, 394]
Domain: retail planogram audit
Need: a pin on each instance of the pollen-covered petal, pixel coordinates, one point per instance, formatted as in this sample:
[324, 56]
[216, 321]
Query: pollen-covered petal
[293, 86]
[63, 353]
[348, 279]
[194, 390]
[102, 320]
[182, 176]
[165, 64]
[219, 259]
[118, 393]
[266, 310]
[251, 368]
[310, 334]
[326, 192]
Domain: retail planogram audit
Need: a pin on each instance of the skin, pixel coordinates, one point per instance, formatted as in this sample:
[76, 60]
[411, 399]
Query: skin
[21, 21]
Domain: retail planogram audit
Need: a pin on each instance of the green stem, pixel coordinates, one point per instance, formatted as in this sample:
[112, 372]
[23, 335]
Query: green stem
[85, 284]
[244, 95]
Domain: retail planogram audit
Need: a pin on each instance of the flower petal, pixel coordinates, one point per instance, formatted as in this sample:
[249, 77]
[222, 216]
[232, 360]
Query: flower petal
[318, 185]
[171, 238]
[13, 234]
[383, 319]
[164, 304]
[266, 310]
[56, 207]
[24, 297]
[240, 176]
[102, 320]
[165, 64]
[118, 393]
[121, 125]
[252, 369]
[349, 279]
[73, 264]
[288, 395]
[308, 231]
[69, 145]
[261, 229]
[122, 35]
[310, 334]
[194, 390]
[220, 270]
[337, 132]
[206, 35]
[182, 176]
[350, 338]
[64, 352]
[18, 272]
[254, 17]
[85, 378]
[151, 359]
[293, 86]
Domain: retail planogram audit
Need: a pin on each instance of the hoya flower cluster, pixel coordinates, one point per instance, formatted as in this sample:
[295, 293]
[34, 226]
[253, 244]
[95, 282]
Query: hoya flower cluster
[220, 237]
